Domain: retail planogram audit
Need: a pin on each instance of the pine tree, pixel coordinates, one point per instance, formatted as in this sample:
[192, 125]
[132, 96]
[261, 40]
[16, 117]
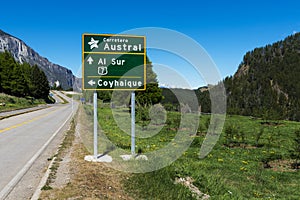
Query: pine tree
[7, 64]
[19, 86]
[21, 79]
[39, 86]
[152, 94]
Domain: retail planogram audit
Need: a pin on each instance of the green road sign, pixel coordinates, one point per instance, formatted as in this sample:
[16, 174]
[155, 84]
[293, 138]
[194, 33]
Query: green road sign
[113, 62]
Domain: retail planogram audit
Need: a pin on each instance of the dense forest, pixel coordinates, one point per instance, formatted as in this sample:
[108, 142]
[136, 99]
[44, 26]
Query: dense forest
[22, 80]
[195, 100]
[265, 85]
[267, 82]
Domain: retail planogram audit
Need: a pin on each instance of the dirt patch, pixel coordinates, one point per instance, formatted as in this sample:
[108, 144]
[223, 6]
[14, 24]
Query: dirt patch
[63, 174]
[267, 123]
[282, 165]
[79, 179]
[241, 146]
[88, 180]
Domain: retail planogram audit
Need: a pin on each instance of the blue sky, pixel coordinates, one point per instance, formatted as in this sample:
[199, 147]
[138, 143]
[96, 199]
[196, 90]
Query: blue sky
[225, 29]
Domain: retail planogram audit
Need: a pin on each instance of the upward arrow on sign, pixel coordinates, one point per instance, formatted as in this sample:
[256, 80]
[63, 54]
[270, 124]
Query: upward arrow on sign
[90, 60]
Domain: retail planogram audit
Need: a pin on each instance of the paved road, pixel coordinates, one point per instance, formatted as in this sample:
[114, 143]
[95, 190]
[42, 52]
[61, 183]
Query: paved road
[24, 137]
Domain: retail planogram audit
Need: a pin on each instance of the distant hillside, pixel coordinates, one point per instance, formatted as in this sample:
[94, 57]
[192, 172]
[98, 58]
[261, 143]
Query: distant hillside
[23, 53]
[267, 82]
[174, 96]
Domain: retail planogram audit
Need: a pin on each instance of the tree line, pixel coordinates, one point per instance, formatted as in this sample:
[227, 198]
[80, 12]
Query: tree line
[22, 80]
[265, 85]
[267, 82]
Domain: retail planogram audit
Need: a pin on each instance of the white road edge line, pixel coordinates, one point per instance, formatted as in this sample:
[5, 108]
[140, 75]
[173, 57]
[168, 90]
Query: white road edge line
[8, 188]
[43, 181]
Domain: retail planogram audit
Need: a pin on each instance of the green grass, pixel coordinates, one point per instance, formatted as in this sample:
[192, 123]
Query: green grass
[14, 103]
[63, 99]
[232, 171]
[69, 95]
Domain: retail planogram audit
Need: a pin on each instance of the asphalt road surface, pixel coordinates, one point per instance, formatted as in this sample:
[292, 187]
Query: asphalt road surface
[24, 138]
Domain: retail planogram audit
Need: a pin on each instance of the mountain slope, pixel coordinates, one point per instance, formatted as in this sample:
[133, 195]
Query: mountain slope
[23, 53]
[267, 82]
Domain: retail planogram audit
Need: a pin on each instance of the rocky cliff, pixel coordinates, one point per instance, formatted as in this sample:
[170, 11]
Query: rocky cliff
[23, 53]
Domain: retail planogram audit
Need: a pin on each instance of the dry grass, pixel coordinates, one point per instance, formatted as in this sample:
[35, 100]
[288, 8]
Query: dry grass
[88, 180]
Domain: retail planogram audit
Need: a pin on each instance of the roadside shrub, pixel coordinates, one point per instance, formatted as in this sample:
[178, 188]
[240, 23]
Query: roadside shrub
[296, 150]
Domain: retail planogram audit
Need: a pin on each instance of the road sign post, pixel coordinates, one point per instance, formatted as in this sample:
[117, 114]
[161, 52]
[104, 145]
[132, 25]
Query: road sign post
[132, 123]
[114, 62]
[95, 125]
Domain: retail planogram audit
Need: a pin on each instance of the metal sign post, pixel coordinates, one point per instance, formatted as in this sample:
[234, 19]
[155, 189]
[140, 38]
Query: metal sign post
[132, 123]
[95, 126]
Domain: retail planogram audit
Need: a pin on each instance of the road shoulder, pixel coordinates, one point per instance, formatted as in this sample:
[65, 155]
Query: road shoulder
[77, 179]
[7, 114]
[27, 185]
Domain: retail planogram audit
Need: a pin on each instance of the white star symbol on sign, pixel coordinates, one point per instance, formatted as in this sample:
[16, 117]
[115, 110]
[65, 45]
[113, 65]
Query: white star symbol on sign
[93, 43]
